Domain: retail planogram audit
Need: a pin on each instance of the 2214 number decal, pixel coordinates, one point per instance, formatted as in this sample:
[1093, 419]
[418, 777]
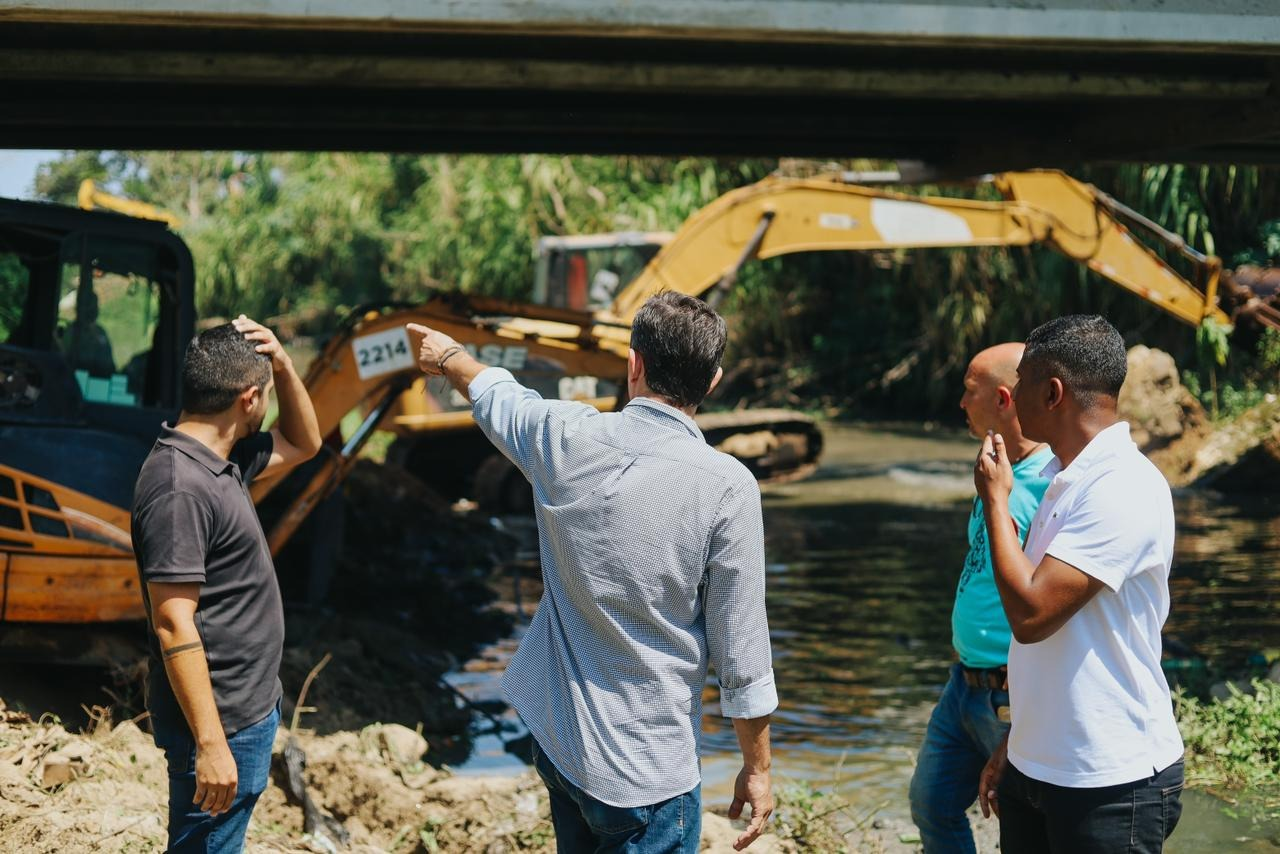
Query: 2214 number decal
[382, 353]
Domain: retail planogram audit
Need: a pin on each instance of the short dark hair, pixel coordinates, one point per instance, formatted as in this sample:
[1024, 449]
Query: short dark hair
[221, 364]
[1083, 350]
[681, 340]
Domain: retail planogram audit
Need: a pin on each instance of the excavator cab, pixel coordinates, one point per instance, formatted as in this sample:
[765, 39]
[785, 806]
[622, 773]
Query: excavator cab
[95, 312]
[585, 272]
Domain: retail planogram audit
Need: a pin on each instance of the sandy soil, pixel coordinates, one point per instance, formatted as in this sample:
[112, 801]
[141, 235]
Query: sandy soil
[106, 790]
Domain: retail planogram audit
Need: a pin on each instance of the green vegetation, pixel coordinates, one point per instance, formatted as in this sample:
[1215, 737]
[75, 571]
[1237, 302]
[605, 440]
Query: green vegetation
[1243, 384]
[812, 819]
[127, 311]
[808, 818]
[13, 292]
[304, 237]
[1233, 742]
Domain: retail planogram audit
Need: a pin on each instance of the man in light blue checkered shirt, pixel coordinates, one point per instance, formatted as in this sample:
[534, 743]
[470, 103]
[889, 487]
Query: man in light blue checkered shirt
[652, 549]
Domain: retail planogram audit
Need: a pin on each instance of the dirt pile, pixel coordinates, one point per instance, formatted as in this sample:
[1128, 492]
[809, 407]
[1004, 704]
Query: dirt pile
[107, 791]
[1241, 456]
[59, 792]
[1158, 407]
[114, 798]
[377, 673]
[389, 799]
[1169, 424]
[410, 599]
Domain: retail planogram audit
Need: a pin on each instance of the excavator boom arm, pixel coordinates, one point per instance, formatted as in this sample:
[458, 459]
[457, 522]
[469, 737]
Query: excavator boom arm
[819, 214]
[89, 197]
[370, 363]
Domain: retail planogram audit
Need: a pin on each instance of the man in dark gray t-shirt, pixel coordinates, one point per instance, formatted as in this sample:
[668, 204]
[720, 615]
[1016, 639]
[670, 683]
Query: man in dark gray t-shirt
[194, 522]
[214, 618]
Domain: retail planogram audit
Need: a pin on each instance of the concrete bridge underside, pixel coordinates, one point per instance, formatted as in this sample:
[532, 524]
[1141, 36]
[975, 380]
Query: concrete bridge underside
[965, 85]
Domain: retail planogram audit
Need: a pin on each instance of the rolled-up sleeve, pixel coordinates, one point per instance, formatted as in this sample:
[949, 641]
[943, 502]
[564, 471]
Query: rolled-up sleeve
[737, 626]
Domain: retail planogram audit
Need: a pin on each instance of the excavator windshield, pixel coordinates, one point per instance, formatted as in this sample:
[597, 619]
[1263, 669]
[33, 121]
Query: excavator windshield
[91, 312]
[585, 272]
[108, 312]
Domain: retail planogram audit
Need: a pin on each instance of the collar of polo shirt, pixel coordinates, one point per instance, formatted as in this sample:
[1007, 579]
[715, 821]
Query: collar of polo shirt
[194, 448]
[1103, 445]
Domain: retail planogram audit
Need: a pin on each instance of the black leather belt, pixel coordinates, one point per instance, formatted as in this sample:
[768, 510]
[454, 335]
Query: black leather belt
[992, 679]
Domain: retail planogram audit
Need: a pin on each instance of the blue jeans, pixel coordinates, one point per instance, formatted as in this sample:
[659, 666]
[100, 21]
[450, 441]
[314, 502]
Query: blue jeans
[1132, 818]
[963, 732]
[585, 825]
[191, 829]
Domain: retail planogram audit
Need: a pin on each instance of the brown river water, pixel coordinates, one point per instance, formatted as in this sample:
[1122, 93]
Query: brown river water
[863, 562]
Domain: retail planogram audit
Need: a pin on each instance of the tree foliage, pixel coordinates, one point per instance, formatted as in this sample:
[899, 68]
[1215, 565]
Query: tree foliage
[311, 235]
[13, 292]
[281, 233]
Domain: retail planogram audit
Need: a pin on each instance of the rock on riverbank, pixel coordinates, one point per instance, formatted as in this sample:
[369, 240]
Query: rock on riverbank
[1172, 428]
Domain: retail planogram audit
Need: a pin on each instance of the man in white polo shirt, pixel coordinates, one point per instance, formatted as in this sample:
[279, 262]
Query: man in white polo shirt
[1093, 762]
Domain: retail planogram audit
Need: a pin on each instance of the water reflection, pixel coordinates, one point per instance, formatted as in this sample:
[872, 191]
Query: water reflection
[1225, 579]
[864, 562]
[863, 567]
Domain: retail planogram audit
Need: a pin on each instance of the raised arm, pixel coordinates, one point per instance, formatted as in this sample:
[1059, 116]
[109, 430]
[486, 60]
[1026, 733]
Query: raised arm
[511, 415]
[1038, 600]
[296, 436]
[441, 356]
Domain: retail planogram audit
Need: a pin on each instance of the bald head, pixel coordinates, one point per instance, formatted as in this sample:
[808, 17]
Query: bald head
[988, 390]
[999, 363]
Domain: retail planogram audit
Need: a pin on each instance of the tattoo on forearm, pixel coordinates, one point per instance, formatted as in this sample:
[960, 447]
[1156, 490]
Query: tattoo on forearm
[181, 648]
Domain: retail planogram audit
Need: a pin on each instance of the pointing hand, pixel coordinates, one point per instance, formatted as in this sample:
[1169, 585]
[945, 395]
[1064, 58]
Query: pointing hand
[432, 346]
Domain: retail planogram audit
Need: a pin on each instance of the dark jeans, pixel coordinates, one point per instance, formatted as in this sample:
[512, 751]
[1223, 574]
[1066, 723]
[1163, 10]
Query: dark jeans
[963, 732]
[1134, 818]
[190, 829]
[584, 825]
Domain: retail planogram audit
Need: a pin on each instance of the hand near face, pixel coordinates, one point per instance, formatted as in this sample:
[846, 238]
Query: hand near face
[993, 473]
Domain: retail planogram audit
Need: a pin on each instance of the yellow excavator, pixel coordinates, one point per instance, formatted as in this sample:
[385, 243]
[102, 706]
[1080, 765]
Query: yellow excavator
[97, 308]
[604, 278]
[778, 216]
[91, 197]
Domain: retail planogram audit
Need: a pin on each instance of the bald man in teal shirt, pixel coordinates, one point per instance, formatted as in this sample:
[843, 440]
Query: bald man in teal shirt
[973, 714]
